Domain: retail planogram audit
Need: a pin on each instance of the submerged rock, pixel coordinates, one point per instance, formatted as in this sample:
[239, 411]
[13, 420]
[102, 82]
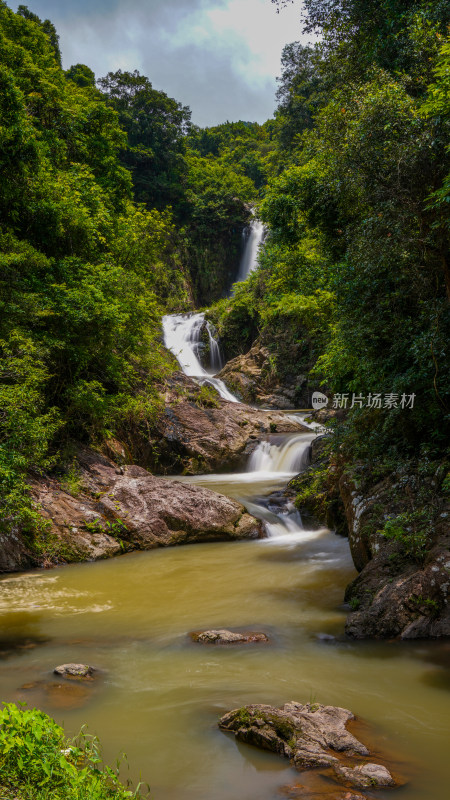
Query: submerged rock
[365, 776]
[222, 636]
[308, 734]
[65, 694]
[299, 791]
[75, 671]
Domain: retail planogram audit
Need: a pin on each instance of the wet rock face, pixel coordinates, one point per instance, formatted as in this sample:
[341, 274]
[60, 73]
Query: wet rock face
[222, 636]
[219, 438]
[127, 508]
[394, 595]
[249, 376]
[312, 736]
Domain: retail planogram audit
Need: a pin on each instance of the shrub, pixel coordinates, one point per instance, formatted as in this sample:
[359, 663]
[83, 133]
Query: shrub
[39, 763]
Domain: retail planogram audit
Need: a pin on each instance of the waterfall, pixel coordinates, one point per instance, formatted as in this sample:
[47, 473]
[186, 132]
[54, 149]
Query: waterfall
[288, 458]
[253, 236]
[182, 336]
[215, 356]
[291, 456]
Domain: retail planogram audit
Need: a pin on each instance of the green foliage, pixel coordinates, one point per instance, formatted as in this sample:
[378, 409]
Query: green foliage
[437, 108]
[85, 274]
[155, 126]
[82, 75]
[72, 482]
[411, 531]
[207, 397]
[246, 148]
[236, 319]
[37, 762]
[48, 28]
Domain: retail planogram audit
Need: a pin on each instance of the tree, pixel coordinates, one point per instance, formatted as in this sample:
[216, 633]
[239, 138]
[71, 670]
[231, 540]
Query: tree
[300, 91]
[81, 75]
[155, 125]
[48, 28]
[395, 35]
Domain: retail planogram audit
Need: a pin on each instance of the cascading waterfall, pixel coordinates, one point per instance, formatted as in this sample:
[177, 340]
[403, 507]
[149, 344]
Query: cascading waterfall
[271, 460]
[182, 336]
[253, 237]
[290, 457]
[215, 356]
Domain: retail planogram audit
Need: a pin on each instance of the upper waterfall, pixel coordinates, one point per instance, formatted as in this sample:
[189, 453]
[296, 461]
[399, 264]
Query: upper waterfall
[253, 237]
[182, 336]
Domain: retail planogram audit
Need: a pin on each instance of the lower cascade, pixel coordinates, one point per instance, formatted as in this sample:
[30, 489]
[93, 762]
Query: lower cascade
[290, 456]
[287, 459]
[182, 336]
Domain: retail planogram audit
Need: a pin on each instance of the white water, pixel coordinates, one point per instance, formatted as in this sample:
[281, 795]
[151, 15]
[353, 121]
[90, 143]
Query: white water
[269, 469]
[253, 237]
[182, 337]
[291, 456]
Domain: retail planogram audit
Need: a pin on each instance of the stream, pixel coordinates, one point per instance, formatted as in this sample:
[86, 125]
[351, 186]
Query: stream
[160, 695]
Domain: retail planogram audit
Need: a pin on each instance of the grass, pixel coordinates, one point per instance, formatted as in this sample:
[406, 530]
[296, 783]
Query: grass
[37, 762]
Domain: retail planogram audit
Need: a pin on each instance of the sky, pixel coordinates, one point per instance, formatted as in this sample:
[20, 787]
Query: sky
[220, 57]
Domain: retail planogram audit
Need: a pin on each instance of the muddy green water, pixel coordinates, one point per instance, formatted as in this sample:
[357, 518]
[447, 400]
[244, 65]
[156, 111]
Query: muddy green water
[160, 695]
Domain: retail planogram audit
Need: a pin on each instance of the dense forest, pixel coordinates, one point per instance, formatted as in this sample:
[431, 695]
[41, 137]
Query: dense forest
[113, 210]
[116, 210]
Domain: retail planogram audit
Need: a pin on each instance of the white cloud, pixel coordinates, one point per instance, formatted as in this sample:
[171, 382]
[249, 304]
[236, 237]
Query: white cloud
[220, 57]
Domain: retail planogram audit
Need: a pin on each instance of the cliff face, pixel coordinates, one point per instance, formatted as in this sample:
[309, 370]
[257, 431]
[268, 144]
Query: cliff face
[252, 379]
[403, 586]
[399, 545]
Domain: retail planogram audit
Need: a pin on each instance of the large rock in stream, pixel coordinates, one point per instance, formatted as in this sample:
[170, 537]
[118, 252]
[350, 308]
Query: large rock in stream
[127, 508]
[312, 736]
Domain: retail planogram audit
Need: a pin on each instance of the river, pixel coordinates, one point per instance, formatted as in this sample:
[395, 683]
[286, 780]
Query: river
[160, 695]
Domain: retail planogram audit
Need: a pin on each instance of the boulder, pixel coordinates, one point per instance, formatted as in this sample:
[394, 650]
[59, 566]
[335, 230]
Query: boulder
[222, 636]
[129, 509]
[251, 378]
[310, 735]
[365, 776]
[75, 671]
[313, 737]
